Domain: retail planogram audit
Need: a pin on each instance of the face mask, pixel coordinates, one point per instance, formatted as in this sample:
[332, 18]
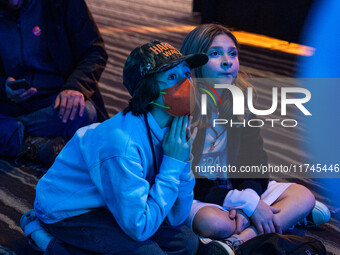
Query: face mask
[180, 99]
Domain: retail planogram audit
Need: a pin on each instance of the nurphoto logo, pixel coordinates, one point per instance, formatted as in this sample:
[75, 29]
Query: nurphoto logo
[239, 105]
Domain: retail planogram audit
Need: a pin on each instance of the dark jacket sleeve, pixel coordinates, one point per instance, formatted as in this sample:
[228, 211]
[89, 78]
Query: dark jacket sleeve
[78, 49]
[3, 96]
[251, 153]
[87, 47]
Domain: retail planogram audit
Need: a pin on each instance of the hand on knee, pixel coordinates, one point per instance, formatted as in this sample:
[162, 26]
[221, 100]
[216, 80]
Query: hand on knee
[265, 219]
[242, 221]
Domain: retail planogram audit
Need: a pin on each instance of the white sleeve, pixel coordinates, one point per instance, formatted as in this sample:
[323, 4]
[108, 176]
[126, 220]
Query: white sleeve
[246, 199]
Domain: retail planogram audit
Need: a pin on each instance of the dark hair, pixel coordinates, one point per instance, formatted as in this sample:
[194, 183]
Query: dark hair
[146, 91]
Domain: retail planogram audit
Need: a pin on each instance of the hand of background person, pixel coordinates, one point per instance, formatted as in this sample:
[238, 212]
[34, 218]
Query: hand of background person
[265, 220]
[19, 95]
[242, 220]
[70, 102]
[177, 141]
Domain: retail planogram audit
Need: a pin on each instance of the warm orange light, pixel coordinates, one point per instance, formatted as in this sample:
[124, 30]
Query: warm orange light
[242, 36]
[273, 43]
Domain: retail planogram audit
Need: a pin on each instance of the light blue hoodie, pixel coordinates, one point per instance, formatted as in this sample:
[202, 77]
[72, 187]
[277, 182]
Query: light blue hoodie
[111, 165]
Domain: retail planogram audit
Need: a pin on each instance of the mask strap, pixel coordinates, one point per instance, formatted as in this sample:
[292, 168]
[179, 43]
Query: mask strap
[166, 107]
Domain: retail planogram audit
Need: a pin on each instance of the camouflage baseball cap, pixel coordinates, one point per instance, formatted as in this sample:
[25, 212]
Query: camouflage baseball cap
[155, 57]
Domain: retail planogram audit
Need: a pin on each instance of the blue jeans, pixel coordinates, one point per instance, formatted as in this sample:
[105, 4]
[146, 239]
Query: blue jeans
[97, 232]
[44, 122]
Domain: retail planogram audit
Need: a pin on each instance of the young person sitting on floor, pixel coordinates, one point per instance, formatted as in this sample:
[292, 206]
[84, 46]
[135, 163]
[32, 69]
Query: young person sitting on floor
[236, 207]
[125, 186]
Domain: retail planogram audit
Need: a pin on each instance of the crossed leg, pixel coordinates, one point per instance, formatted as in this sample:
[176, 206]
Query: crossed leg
[294, 203]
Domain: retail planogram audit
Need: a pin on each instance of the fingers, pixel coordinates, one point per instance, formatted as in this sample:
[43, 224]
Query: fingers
[184, 129]
[57, 102]
[232, 214]
[178, 131]
[69, 102]
[259, 228]
[75, 106]
[15, 94]
[18, 95]
[21, 95]
[175, 142]
[239, 226]
[242, 221]
[189, 121]
[275, 210]
[62, 106]
[69, 107]
[277, 225]
[180, 128]
[189, 124]
[238, 229]
[271, 226]
[81, 107]
[266, 228]
[187, 129]
[27, 94]
[191, 136]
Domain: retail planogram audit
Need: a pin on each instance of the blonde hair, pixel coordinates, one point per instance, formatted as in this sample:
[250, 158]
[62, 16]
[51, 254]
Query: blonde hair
[199, 41]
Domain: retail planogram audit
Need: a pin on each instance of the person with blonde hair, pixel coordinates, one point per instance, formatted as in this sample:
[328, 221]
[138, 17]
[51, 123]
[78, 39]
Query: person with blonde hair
[233, 210]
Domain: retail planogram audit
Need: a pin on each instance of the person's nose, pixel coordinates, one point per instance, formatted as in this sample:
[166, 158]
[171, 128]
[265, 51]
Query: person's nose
[226, 64]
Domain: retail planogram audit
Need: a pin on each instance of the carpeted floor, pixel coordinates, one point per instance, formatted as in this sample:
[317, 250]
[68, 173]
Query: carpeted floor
[124, 25]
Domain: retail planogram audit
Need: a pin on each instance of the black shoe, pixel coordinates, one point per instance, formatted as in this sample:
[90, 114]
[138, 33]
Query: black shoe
[41, 150]
[50, 150]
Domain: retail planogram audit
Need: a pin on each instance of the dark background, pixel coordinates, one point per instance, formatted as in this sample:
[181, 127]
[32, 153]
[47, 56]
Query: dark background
[280, 19]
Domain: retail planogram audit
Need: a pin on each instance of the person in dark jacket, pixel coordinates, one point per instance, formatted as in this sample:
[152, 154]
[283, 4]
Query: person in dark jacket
[55, 46]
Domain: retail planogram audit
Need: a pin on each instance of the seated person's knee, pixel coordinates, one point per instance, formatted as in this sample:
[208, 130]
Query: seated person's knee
[213, 222]
[305, 195]
[90, 113]
[309, 198]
